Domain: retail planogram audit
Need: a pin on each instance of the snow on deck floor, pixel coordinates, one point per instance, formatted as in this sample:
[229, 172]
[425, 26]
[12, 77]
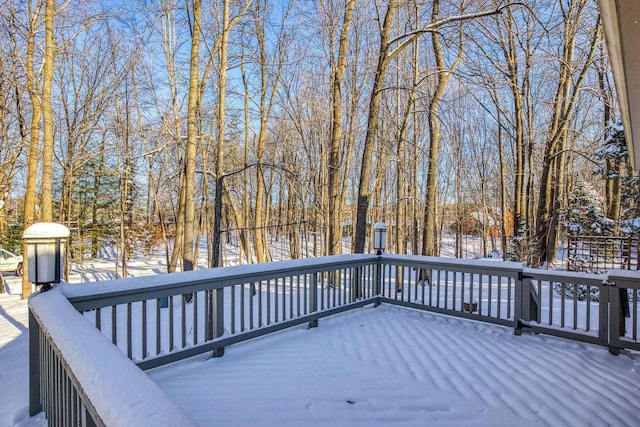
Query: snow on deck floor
[393, 366]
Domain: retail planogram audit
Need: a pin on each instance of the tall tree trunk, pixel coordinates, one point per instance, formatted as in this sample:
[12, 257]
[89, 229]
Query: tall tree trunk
[335, 155]
[47, 83]
[192, 145]
[176, 251]
[220, 133]
[503, 185]
[520, 204]
[34, 148]
[267, 95]
[221, 107]
[244, 233]
[401, 193]
[431, 198]
[372, 130]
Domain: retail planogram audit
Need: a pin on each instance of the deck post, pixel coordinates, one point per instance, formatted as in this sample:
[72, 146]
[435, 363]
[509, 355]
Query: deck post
[614, 317]
[313, 299]
[35, 405]
[603, 314]
[378, 280]
[520, 303]
[218, 315]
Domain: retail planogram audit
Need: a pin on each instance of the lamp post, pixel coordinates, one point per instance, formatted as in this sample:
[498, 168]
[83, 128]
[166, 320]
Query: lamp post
[46, 245]
[379, 237]
[379, 240]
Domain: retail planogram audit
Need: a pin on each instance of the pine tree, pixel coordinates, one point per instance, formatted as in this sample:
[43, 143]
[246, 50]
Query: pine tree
[584, 214]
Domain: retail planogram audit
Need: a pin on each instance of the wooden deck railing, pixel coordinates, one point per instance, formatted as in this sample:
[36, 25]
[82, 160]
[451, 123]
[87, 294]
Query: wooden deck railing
[155, 320]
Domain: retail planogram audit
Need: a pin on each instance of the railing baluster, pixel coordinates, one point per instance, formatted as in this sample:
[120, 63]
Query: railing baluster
[129, 333]
[499, 296]
[509, 298]
[144, 330]
[575, 306]
[171, 323]
[233, 309]
[634, 315]
[480, 286]
[298, 295]
[471, 293]
[290, 279]
[65, 399]
[306, 294]
[242, 310]
[462, 293]
[114, 330]
[320, 288]
[313, 298]
[437, 284]
[276, 296]
[588, 302]
[252, 288]
[343, 283]
[260, 310]
[158, 327]
[550, 303]
[268, 302]
[284, 299]
[195, 317]
[455, 290]
[563, 288]
[183, 321]
[335, 274]
[446, 288]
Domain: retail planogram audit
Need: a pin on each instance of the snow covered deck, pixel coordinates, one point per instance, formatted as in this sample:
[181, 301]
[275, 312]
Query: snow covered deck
[397, 366]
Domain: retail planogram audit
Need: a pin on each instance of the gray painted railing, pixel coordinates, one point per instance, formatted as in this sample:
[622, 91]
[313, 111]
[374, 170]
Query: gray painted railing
[479, 290]
[78, 378]
[161, 319]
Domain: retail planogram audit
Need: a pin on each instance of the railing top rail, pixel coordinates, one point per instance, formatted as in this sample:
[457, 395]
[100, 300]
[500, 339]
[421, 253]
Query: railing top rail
[565, 276]
[459, 263]
[630, 278]
[184, 282]
[101, 373]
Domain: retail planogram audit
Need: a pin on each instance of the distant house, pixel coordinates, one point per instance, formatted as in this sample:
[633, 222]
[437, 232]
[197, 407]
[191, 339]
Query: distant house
[475, 222]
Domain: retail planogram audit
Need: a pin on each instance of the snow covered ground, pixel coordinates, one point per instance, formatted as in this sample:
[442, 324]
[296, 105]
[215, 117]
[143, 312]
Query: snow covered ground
[396, 366]
[382, 366]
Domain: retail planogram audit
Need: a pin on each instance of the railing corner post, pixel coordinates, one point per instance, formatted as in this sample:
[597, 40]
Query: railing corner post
[378, 281]
[518, 314]
[603, 313]
[35, 405]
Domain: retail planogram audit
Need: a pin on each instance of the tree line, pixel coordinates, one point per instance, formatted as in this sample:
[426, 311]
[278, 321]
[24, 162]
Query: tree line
[173, 122]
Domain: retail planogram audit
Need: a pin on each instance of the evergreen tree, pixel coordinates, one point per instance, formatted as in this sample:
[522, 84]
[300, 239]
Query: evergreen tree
[622, 183]
[584, 215]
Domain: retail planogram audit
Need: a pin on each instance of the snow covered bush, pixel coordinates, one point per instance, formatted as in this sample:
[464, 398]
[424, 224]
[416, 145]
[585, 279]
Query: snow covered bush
[584, 215]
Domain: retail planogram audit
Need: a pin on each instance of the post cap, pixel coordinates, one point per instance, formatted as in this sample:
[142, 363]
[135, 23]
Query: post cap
[46, 230]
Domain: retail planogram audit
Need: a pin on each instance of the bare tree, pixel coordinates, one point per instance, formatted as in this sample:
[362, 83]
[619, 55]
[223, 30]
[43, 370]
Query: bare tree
[34, 17]
[335, 155]
[47, 114]
[572, 71]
